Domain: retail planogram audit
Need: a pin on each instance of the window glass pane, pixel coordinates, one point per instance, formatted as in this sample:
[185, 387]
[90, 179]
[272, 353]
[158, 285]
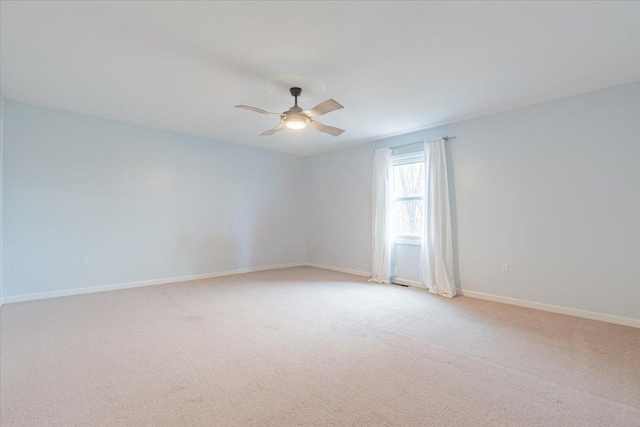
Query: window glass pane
[408, 180]
[407, 217]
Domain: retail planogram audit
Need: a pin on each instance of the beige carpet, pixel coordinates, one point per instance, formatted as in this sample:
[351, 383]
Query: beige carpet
[309, 347]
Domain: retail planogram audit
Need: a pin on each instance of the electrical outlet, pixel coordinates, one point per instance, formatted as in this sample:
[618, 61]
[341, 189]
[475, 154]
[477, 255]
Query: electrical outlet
[84, 261]
[504, 268]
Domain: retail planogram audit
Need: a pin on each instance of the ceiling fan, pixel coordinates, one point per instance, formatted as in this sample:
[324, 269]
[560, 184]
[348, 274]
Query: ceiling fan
[296, 118]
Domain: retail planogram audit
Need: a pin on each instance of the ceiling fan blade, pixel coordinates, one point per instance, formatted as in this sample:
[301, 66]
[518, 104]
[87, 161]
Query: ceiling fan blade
[257, 110]
[326, 129]
[323, 108]
[278, 128]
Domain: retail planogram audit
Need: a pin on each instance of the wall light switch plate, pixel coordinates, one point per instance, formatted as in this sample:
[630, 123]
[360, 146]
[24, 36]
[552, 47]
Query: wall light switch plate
[84, 261]
[504, 268]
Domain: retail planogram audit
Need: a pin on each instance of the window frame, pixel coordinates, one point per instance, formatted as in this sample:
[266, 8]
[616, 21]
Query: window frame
[399, 160]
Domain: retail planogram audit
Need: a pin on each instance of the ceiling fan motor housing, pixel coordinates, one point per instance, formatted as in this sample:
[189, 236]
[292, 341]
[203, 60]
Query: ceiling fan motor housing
[295, 118]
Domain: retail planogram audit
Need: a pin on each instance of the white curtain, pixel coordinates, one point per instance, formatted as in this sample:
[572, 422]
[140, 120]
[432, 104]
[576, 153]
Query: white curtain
[381, 245]
[437, 251]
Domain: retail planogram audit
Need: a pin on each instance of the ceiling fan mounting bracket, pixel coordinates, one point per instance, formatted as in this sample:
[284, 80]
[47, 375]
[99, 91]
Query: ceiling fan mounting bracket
[295, 91]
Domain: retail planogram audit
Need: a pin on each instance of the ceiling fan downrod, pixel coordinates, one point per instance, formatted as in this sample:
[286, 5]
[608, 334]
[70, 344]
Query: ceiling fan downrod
[295, 92]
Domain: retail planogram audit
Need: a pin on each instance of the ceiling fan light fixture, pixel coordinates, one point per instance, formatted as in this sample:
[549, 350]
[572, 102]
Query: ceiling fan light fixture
[296, 122]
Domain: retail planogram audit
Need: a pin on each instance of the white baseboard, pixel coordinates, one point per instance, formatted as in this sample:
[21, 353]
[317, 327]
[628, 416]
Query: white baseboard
[627, 321]
[93, 289]
[342, 270]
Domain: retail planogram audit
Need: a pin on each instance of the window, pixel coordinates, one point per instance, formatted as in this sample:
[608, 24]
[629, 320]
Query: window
[408, 197]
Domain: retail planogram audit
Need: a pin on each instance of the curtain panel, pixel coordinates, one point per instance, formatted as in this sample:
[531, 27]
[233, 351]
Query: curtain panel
[381, 244]
[436, 254]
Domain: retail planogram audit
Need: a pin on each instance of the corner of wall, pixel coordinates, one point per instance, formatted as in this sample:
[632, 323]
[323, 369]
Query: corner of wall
[306, 197]
[1, 193]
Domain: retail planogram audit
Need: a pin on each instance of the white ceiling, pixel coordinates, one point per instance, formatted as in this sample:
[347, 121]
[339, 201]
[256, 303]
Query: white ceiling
[396, 67]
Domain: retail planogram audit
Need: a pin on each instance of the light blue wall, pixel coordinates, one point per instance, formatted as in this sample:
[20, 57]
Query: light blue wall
[1, 198]
[142, 204]
[552, 189]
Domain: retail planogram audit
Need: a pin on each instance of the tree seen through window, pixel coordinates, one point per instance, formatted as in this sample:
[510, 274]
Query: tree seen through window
[408, 199]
